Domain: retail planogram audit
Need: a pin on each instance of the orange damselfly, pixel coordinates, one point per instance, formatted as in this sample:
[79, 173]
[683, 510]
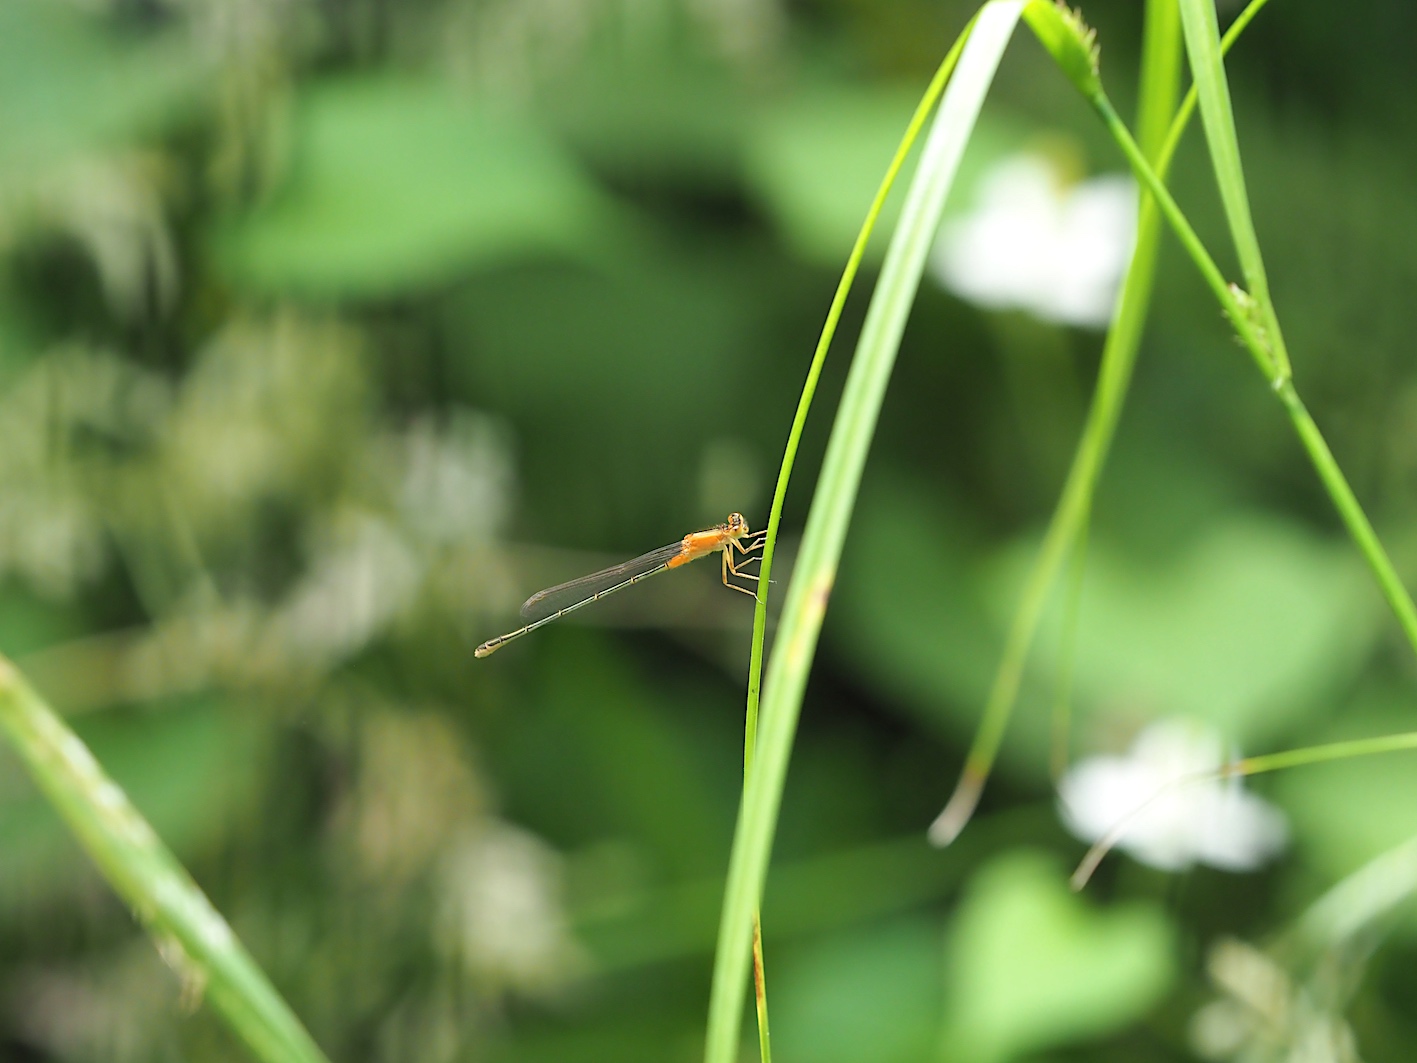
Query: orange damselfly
[555, 602]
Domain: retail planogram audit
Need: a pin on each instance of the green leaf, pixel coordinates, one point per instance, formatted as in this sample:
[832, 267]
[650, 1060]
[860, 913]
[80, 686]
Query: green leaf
[1248, 627]
[1032, 965]
[599, 742]
[29, 623]
[815, 160]
[66, 87]
[910, 616]
[604, 353]
[1346, 812]
[667, 120]
[864, 997]
[395, 184]
[1248, 622]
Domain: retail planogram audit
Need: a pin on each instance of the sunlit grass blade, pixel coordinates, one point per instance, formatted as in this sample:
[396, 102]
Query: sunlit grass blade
[189, 932]
[1202, 35]
[784, 476]
[835, 496]
[1119, 353]
[814, 372]
[1158, 96]
[1240, 309]
[794, 437]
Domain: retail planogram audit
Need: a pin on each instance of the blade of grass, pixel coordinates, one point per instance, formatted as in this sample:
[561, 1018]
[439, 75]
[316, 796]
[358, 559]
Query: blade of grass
[1241, 311]
[1075, 502]
[1354, 903]
[814, 372]
[1202, 34]
[188, 931]
[784, 476]
[832, 503]
[1160, 82]
[1198, 21]
[1067, 651]
[1159, 87]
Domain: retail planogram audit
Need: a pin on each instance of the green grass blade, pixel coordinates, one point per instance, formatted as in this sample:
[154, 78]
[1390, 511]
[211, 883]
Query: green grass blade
[784, 477]
[1157, 100]
[1062, 712]
[1198, 20]
[1202, 35]
[814, 372]
[835, 496]
[1118, 355]
[1296, 758]
[187, 929]
[1240, 309]
[1188, 105]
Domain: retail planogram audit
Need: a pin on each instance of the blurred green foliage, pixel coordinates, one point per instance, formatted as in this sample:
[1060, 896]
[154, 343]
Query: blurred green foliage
[393, 186]
[329, 331]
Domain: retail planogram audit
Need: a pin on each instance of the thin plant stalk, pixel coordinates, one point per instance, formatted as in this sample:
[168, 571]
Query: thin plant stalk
[1118, 357]
[1159, 87]
[1198, 20]
[835, 496]
[1067, 651]
[1202, 34]
[191, 935]
[1239, 308]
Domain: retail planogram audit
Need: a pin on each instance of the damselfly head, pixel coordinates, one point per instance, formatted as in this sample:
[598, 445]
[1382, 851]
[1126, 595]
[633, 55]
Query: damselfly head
[736, 525]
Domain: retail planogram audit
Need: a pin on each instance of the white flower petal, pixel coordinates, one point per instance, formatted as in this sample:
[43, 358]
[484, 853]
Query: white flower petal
[1171, 818]
[1032, 245]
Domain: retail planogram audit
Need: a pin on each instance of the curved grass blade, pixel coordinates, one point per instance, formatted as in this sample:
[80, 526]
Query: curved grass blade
[835, 496]
[1241, 311]
[794, 437]
[1202, 35]
[1114, 378]
[188, 931]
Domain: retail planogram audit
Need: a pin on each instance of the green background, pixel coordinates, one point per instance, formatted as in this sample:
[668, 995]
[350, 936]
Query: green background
[330, 331]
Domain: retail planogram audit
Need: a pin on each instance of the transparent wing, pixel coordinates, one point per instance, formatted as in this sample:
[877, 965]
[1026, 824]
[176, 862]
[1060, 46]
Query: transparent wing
[554, 599]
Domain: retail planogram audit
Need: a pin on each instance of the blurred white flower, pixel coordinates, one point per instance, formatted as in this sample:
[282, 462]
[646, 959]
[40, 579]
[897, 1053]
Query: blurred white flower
[364, 574]
[454, 480]
[112, 1006]
[500, 911]
[1170, 823]
[61, 422]
[1035, 244]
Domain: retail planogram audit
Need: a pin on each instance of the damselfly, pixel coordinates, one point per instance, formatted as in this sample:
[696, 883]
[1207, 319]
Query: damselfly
[543, 607]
